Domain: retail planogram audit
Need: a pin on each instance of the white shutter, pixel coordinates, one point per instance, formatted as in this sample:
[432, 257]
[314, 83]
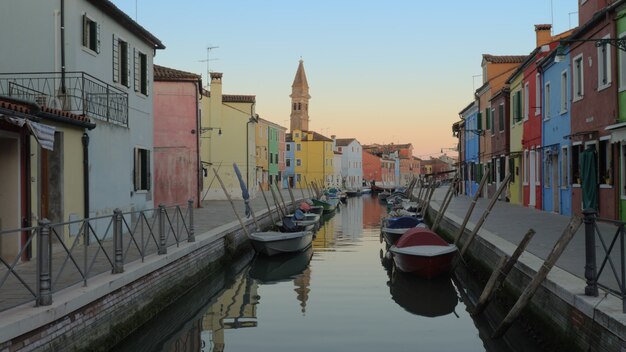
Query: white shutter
[149, 81]
[116, 59]
[137, 70]
[128, 64]
[98, 38]
[85, 31]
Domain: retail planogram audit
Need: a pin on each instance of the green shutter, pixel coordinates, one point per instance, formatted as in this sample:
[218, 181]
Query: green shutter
[487, 119]
[518, 100]
[479, 121]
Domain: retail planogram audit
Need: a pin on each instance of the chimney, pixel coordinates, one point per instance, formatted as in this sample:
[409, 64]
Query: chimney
[543, 33]
[216, 99]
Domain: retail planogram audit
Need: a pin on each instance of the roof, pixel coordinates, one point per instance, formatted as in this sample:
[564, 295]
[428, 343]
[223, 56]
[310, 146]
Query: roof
[469, 106]
[272, 123]
[229, 98]
[162, 73]
[300, 79]
[504, 59]
[30, 110]
[125, 21]
[318, 137]
[342, 142]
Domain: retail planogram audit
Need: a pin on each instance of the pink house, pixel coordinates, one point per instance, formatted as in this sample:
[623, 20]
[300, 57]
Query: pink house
[176, 115]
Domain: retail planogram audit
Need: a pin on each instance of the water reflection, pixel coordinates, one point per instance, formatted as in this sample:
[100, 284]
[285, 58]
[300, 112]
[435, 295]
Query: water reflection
[372, 211]
[269, 270]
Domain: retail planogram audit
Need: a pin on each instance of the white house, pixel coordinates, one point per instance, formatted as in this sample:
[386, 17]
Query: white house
[337, 178]
[89, 58]
[351, 162]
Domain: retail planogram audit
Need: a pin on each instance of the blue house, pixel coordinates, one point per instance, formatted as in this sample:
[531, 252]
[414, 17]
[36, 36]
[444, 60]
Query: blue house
[289, 175]
[555, 79]
[471, 170]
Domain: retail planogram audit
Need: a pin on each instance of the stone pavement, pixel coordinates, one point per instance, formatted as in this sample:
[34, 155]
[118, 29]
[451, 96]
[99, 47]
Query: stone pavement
[511, 222]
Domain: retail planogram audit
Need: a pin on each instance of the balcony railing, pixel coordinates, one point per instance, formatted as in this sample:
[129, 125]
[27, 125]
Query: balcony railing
[76, 92]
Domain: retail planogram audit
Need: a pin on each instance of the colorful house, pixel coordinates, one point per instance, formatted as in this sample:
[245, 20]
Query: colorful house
[594, 109]
[557, 192]
[516, 104]
[351, 162]
[618, 130]
[471, 174]
[262, 153]
[176, 139]
[314, 157]
[500, 143]
[227, 137]
[372, 168]
[289, 173]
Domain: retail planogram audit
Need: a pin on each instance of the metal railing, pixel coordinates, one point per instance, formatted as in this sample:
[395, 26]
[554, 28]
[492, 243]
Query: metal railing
[592, 273]
[75, 251]
[75, 92]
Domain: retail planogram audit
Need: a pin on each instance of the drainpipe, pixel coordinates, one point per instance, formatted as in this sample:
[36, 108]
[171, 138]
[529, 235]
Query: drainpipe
[85, 140]
[63, 46]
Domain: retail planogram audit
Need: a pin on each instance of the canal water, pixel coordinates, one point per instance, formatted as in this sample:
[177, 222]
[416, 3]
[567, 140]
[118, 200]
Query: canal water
[343, 294]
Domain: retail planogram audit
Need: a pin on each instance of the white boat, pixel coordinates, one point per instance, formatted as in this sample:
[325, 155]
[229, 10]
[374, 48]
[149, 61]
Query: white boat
[309, 219]
[366, 190]
[273, 242]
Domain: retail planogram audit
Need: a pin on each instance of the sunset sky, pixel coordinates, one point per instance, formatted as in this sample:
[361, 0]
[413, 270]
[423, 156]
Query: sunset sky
[379, 71]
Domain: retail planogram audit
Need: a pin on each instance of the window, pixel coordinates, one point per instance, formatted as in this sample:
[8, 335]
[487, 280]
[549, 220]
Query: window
[604, 65]
[503, 168]
[142, 169]
[564, 86]
[298, 177]
[488, 119]
[91, 34]
[517, 107]
[547, 98]
[298, 162]
[288, 147]
[298, 147]
[537, 158]
[121, 62]
[564, 168]
[288, 162]
[576, 150]
[493, 120]
[546, 169]
[605, 162]
[501, 117]
[526, 101]
[537, 94]
[578, 78]
[141, 72]
[295, 106]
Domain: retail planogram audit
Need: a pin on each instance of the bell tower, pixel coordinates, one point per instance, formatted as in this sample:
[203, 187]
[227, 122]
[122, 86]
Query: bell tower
[300, 100]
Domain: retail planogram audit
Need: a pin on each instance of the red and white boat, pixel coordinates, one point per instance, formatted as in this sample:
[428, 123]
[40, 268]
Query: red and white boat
[423, 253]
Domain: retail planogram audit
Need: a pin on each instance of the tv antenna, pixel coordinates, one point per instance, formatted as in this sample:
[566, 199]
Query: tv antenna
[207, 60]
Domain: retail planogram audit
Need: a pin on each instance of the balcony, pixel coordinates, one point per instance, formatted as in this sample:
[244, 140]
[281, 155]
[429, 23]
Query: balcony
[76, 92]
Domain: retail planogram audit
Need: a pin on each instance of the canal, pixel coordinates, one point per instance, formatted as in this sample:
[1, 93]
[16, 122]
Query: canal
[340, 295]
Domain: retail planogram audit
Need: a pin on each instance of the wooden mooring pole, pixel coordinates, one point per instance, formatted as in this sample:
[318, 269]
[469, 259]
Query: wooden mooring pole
[245, 229]
[554, 255]
[277, 203]
[269, 209]
[500, 273]
[293, 199]
[280, 194]
[486, 213]
[471, 207]
[445, 203]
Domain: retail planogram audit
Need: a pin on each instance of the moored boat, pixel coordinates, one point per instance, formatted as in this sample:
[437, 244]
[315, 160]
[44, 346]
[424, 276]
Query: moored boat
[275, 269]
[423, 253]
[273, 242]
[329, 205]
[394, 228]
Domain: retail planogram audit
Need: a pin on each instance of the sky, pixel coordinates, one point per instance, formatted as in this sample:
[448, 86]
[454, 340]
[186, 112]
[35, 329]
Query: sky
[395, 71]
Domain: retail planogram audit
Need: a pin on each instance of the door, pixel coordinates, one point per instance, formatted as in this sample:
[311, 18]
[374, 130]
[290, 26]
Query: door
[532, 184]
[10, 202]
[556, 201]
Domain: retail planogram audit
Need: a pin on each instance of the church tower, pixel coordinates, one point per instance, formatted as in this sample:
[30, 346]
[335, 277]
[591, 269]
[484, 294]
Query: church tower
[300, 101]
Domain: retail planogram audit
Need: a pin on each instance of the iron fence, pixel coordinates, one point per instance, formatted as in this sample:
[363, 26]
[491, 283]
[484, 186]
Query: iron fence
[75, 251]
[75, 92]
[616, 283]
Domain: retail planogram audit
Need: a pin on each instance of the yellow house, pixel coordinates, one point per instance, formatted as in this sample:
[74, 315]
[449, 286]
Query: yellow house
[313, 156]
[517, 128]
[261, 152]
[227, 136]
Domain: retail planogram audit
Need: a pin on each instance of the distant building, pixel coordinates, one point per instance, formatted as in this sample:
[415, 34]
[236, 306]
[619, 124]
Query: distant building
[351, 162]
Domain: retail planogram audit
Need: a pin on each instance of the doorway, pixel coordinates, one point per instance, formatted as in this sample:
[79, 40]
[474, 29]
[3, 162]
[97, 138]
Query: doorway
[10, 202]
[532, 180]
[556, 201]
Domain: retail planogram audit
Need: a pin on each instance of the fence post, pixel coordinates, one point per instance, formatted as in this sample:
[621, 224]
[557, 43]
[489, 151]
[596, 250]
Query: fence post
[118, 243]
[590, 252]
[192, 235]
[45, 263]
[162, 243]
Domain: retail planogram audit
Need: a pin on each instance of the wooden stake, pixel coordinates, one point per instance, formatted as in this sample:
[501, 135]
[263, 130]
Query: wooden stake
[293, 199]
[471, 207]
[277, 203]
[245, 229]
[486, 213]
[269, 209]
[445, 203]
[554, 255]
[282, 199]
[301, 190]
[500, 273]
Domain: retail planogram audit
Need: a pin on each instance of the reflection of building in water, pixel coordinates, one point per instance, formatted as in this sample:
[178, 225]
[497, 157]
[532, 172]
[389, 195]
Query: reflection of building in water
[235, 308]
[352, 218]
[302, 283]
[372, 211]
[325, 236]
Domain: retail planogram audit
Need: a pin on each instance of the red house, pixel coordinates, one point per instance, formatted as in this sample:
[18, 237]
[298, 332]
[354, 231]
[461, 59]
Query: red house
[176, 152]
[372, 168]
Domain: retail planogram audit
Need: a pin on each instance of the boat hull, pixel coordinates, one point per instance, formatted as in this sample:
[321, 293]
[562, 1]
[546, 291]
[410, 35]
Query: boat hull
[288, 244]
[423, 266]
[329, 206]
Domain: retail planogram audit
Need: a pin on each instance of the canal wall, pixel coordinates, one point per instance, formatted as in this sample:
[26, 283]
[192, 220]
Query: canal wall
[559, 311]
[98, 316]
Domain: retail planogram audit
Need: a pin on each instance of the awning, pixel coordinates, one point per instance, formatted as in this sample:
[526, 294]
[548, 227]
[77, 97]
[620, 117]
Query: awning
[44, 134]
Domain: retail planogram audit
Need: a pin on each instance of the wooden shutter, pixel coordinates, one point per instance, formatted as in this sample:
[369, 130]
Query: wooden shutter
[116, 59]
[98, 38]
[137, 70]
[518, 100]
[148, 73]
[149, 171]
[479, 121]
[136, 169]
[85, 31]
[128, 65]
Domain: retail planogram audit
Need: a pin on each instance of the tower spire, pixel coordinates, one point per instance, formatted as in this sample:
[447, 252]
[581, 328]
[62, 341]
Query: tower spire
[300, 100]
